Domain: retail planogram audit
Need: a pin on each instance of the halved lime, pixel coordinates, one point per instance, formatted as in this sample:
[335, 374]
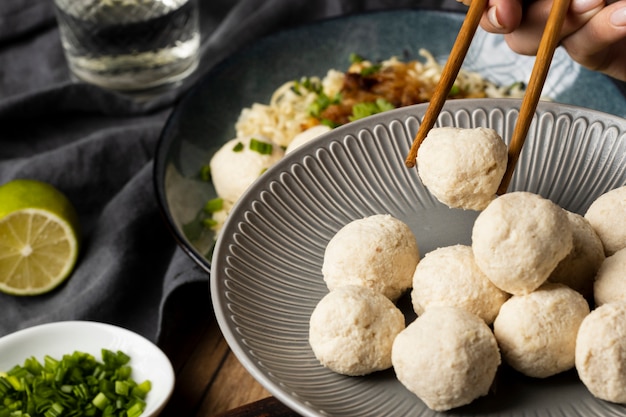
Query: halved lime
[39, 237]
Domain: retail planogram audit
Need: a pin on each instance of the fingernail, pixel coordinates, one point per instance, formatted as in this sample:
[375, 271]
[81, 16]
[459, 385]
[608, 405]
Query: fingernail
[618, 18]
[493, 17]
[584, 6]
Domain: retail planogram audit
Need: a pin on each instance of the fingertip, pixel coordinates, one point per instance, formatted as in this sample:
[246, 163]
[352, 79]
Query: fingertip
[492, 17]
[582, 7]
[618, 17]
[503, 16]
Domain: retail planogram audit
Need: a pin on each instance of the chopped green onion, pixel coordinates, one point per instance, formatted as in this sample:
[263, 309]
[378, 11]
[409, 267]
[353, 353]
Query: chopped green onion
[209, 223]
[55, 410]
[329, 123]
[519, 85]
[321, 103]
[356, 58]
[135, 410]
[100, 401]
[33, 366]
[384, 105]
[76, 385]
[370, 70]
[214, 205]
[261, 147]
[238, 147]
[205, 173]
[50, 364]
[307, 84]
[15, 383]
[361, 110]
[122, 388]
[142, 389]
[455, 90]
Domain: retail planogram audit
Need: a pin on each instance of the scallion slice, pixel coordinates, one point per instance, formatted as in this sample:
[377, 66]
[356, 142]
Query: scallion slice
[238, 147]
[372, 69]
[455, 90]
[368, 108]
[261, 147]
[214, 205]
[205, 173]
[209, 223]
[355, 58]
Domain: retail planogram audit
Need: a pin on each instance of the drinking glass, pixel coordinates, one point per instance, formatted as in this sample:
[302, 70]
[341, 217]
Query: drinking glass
[129, 44]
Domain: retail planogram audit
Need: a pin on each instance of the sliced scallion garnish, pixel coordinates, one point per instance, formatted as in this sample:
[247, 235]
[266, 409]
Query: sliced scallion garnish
[329, 123]
[306, 83]
[373, 69]
[455, 90]
[209, 223]
[214, 205]
[205, 173]
[238, 147]
[368, 108]
[356, 58]
[264, 148]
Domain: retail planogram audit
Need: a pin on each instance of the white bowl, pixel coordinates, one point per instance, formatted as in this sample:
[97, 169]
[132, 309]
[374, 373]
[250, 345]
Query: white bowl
[56, 339]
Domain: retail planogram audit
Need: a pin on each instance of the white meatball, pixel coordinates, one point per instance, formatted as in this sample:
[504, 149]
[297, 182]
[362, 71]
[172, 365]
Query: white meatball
[578, 269]
[462, 168]
[537, 332]
[448, 357]
[601, 352]
[449, 276]
[519, 239]
[607, 215]
[306, 136]
[379, 252]
[234, 167]
[352, 330]
[610, 283]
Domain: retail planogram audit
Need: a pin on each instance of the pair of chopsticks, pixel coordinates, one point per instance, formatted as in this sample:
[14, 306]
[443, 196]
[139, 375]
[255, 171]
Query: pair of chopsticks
[547, 46]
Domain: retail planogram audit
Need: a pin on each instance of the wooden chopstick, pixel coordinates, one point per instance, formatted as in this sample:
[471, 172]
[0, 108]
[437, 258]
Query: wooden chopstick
[448, 75]
[548, 44]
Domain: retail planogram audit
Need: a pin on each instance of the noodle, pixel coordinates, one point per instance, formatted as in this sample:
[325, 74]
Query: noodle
[288, 112]
[340, 97]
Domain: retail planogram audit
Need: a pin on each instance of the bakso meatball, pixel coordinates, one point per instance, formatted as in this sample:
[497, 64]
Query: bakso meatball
[306, 136]
[448, 357]
[537, 332]
[610, 282]
[607, 215]
[379, 252]
[462, 168]
[449, 276]
[601, 352]
[578, 269]
[352, 330]
[239, 162]
[519, 239]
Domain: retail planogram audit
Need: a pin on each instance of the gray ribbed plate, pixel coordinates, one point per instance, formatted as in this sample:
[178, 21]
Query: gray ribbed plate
[266, 276]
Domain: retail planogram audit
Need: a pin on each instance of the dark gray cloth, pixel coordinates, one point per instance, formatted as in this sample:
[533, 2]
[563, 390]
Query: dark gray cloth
[98, 147]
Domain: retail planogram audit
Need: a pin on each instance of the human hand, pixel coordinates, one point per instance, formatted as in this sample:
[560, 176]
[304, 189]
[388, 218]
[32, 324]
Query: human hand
[593, 33]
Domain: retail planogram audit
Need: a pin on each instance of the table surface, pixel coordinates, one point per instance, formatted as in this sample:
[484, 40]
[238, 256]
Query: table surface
[210, 381]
